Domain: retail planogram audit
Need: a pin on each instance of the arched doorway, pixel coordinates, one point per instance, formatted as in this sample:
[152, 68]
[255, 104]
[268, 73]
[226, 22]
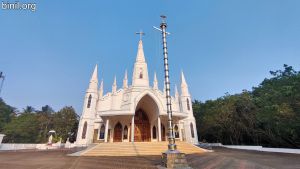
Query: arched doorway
[118, 132]
[141, 126]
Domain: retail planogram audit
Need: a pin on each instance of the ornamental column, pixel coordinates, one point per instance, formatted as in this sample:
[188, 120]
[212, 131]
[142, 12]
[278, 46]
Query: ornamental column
[106, 130]
[159, 128]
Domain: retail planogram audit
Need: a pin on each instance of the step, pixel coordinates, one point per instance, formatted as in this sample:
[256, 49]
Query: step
[138, 149]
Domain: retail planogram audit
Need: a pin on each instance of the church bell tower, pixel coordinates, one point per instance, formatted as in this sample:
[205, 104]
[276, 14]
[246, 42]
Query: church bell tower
[140, 72]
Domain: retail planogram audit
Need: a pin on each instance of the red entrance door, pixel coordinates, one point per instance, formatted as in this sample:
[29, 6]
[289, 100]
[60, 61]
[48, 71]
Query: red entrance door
[118, 132]
[141, 127]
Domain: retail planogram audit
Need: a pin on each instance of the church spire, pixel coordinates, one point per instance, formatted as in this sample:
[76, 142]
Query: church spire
[155, 83]
[140, 54]
[140, 71]
[94, 80]
[140, 57]
[125, 80]
[184, 86]
[114, 86]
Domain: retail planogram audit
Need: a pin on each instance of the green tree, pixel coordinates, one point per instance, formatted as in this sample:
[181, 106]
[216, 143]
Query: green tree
[269, 115]
[65, 123]
[6, 114]
[45, 118]
[29, 109]
[22, 129]
[278, 102]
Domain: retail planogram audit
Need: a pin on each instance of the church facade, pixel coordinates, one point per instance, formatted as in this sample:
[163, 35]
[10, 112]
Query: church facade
[136, 112]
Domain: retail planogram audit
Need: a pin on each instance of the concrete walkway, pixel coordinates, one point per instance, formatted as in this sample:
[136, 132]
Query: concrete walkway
[221, 158]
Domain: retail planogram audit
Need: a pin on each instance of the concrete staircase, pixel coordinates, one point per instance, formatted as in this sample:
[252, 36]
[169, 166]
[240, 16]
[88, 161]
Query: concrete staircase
[138, 149]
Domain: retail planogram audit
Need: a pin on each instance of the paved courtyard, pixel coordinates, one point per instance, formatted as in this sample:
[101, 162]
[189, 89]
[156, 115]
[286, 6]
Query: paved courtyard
[222, 158]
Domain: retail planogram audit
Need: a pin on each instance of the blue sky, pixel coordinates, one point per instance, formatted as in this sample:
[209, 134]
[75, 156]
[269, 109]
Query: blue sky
[222, 46]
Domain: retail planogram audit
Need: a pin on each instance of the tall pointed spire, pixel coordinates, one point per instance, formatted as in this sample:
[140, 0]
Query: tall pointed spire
[101, 89]
[155, 83]
[140, 57]
[125, 80]
[95, 73]
[94, 79]
[184, 86]
[140, 72]
[183, 82]
[114, 86]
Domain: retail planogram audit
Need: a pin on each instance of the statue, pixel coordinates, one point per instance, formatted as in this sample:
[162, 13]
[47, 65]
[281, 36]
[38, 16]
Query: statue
[68, 144]
[50, 139]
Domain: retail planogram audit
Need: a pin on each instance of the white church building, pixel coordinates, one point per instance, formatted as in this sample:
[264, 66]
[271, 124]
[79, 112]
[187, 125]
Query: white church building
[136, 112]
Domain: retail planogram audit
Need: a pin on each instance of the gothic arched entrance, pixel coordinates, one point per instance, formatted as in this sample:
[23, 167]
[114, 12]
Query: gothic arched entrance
[141, 126]
[118, 132]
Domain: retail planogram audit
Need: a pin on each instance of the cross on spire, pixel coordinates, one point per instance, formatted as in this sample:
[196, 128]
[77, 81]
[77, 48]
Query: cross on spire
[141, 33]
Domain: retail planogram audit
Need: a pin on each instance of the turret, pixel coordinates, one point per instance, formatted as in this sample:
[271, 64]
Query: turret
[91, 95]
[125, 81]
[186, 106]
[185, 96]
[100, 95]
[86, 124]
[184, 86]
[114, 86]
[155, 82]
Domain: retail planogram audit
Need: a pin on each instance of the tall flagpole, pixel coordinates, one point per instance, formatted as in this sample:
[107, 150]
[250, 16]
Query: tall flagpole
[171, 139]
[172, 158]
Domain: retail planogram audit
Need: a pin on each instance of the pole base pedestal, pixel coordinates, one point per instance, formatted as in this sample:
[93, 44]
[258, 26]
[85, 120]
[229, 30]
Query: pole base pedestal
[174, 159]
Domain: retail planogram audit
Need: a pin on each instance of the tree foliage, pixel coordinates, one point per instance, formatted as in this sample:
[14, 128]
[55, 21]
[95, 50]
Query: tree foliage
[6, 114]
[65, 123]
[22, 129]
[269, 115]
[33, 126]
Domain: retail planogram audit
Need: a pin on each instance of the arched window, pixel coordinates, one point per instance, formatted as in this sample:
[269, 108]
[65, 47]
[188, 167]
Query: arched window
[102, 132]
[192, 130]
[154, 132]
[188, 104]
[89, 101]
[141, 73]
[125, 135]
[176, 131]
[84, 130]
